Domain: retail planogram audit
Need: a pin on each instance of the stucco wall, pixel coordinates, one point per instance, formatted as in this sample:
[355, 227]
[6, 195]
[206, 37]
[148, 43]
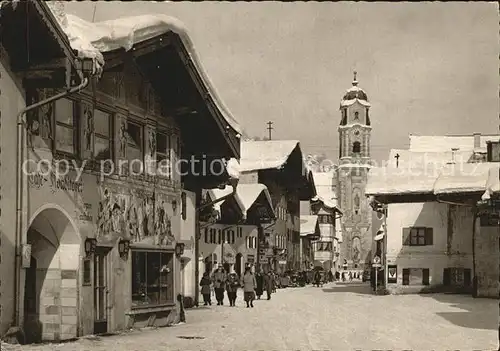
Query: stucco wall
[239, 245]
[487, 257]
[11, 102]
[452, 239]
[187, 236]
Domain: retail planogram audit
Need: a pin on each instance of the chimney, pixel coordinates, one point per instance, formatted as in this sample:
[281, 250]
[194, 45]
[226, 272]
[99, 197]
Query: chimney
[477, 140]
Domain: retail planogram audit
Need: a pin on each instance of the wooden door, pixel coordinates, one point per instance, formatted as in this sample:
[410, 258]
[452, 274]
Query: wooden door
[101, 292]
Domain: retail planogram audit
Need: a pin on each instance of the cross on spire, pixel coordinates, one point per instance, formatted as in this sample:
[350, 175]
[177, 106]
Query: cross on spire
[270, 128]
[397, 160]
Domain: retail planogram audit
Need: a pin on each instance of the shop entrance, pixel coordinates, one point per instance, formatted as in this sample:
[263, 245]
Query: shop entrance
[51, 289]
[101, 290]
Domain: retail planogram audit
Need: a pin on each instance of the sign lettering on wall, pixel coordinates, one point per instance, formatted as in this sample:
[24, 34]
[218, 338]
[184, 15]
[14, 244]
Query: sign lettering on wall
[63, 182]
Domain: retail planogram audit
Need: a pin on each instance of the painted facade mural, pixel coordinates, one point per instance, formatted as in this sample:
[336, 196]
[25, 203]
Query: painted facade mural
[356, 249]
[139, 216]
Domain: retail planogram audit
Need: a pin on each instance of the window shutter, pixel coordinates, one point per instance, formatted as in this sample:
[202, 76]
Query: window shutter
[406, 236]
[446, 277]
[406, 276]
[428, 236]
[206, 235]
[425, 276]
[219, 236]
[467, 276]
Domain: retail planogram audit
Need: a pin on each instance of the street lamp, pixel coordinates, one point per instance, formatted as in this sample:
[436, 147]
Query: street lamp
[90, 246]
[123, 248]
[179, 249]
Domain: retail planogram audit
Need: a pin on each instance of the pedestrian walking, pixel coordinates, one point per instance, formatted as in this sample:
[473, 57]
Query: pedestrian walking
[337, 275]
[219, 281]
[232, 288]
[259, 288]
[343, 276]
[249, 284]
[350, 276]
[269, 284]
[317, 278]
[205, 289]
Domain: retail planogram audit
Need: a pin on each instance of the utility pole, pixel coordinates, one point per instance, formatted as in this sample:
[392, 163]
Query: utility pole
[93, 15]
[270, 128]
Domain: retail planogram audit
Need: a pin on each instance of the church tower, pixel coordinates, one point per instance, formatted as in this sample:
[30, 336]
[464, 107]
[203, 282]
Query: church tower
[354, 164]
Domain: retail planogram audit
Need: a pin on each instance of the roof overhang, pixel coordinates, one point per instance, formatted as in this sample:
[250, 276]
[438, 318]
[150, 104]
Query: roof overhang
[166, 63]
[328, 204]
[251, 204]
[309, 226]
[404, 198]
[47, 59]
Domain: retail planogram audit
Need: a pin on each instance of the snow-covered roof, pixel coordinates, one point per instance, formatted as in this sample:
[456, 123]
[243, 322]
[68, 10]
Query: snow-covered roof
[449, 179]
[246, 195]
[354, 94]
[347, 103]
[398, 181]
[440, 143]
[354, 165]
[308, 225]
[465, 178]
[218, 193]
[269, 154]
[323, 182]
[93, 39]
[416, 159]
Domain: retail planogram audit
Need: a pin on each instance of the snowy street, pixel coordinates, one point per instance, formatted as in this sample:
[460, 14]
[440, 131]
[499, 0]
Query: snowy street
[335, 317]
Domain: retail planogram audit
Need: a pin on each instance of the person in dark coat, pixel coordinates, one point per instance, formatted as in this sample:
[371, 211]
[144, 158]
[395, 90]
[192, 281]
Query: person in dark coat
[219, 280]
[269, 284]
[249, 285]
[232, 288]
[317, 278]
[205, 289]
[260, 284]
[337, 275]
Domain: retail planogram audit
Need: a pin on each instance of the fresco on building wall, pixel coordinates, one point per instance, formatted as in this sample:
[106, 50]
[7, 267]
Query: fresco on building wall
[122, 138]
[356, 249]
[138, 216]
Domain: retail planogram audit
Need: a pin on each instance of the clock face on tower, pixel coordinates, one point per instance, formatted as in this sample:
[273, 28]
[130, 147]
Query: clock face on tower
[356, 134]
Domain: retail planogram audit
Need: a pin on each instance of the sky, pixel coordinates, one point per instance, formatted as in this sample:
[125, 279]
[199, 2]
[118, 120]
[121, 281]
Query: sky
[428, 68]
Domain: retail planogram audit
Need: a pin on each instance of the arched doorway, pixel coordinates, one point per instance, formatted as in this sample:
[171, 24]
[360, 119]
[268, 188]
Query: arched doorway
[238, 264]
[51, 288]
